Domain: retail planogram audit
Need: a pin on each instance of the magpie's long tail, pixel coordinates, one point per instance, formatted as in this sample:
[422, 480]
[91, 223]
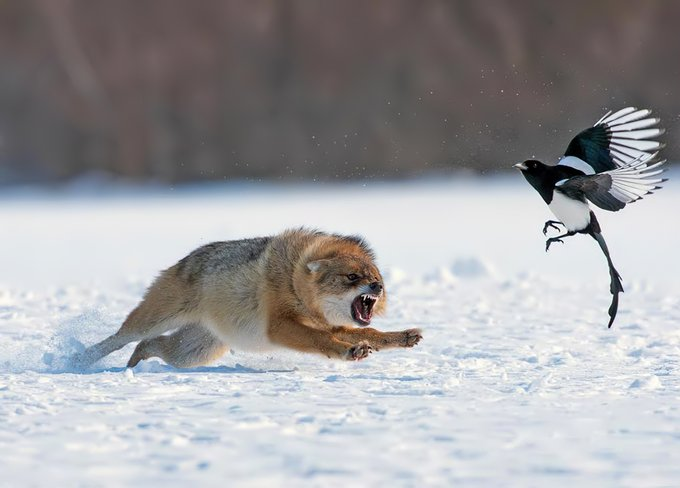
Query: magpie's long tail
[615, 286]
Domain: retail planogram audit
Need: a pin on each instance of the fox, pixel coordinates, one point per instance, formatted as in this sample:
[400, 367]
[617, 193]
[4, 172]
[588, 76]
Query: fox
[302, 289]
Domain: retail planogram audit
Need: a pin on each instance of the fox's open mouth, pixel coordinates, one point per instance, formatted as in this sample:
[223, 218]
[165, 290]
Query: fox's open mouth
[362, 308]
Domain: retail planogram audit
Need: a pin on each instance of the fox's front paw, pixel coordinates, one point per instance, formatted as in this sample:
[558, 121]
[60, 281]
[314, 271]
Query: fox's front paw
[359, 351]
[411, 337]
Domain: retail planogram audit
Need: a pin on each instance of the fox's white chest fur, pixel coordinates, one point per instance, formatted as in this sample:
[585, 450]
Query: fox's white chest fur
[575, 215]
[247, 332]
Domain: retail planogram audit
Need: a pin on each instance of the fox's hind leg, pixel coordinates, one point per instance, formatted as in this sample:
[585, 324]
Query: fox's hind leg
[130, 331]
[188, 347]
[94, 353]
[166, 306]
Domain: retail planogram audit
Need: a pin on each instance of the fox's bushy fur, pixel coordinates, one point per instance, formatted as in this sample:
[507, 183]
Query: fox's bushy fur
[301, 289]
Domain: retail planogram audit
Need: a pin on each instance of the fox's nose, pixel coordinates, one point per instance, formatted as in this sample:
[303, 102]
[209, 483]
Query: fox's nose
[376, 287]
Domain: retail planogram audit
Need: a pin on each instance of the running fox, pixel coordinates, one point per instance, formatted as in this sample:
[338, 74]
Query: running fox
[301, 290]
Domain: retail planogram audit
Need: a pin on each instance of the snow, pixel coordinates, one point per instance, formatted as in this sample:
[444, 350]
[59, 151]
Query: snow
[517, 381]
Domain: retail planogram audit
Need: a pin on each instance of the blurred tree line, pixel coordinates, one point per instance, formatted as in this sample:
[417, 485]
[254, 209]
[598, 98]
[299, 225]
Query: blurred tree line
[174, 90]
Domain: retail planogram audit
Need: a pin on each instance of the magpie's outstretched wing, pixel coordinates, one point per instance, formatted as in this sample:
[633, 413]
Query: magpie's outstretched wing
[616, 140]
[612, 190]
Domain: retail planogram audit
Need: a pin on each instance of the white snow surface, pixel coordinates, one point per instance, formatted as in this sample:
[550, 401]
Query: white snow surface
[517, 381]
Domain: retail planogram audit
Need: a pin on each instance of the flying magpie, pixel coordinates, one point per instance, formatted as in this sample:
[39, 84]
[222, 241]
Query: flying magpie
[613, 163]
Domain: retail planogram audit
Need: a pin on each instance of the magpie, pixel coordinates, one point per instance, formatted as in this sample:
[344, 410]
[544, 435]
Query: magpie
[611, 164]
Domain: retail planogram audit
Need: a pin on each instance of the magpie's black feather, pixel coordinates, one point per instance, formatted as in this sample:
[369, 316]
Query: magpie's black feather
[592, 146]
[595, 188]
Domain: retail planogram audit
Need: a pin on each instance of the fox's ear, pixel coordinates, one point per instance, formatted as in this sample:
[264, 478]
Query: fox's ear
[315, 266]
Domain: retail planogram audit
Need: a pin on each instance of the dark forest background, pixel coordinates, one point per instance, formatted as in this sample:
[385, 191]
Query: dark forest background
[179, 90]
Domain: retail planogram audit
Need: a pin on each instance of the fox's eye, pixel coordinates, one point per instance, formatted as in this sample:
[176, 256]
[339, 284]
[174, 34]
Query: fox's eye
[352, 277]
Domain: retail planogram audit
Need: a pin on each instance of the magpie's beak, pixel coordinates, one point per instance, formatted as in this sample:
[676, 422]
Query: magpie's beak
[520, 166]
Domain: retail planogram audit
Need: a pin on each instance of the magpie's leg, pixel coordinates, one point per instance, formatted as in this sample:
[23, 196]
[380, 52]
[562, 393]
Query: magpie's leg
[557, 239]
[552, 224]
[615, 286]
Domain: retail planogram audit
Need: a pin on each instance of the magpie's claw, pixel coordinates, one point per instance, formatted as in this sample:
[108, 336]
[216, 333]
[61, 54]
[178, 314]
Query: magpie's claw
[550, 241]
[551, 224]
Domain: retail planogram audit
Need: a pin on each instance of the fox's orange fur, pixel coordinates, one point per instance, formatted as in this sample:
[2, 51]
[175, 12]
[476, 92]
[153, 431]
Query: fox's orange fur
[303, 290]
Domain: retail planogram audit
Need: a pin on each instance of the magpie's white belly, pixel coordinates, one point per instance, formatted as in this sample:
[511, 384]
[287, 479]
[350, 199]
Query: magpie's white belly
[575, 215]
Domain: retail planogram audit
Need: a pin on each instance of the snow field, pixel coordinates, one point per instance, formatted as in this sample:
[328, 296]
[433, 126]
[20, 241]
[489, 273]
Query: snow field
[517, 381]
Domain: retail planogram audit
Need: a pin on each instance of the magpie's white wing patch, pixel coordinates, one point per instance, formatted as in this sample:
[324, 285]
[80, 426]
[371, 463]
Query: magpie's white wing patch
[577, 163]
[617, 140]
[612, 190]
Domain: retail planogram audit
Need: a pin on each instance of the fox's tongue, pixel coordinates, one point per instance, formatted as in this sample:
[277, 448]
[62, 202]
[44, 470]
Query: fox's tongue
[363, 310]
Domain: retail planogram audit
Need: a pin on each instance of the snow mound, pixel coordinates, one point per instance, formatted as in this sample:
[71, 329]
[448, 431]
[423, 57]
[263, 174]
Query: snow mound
[440, 276]
[648, 383]
[471, 268]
